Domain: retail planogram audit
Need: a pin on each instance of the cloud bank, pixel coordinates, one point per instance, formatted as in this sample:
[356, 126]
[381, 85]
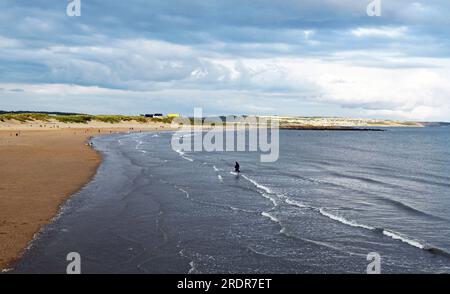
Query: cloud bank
[254, 57]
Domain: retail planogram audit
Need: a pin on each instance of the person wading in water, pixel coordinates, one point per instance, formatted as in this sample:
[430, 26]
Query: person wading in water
[237, 167]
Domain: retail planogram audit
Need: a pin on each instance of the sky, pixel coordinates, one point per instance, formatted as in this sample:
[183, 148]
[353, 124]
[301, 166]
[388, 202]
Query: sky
[284, 57]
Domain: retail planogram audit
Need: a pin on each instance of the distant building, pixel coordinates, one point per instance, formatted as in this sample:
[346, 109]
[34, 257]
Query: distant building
[173, 115]
[151, 115]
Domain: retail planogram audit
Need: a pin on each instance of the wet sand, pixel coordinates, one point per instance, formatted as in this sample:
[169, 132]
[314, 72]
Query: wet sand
[40, 169]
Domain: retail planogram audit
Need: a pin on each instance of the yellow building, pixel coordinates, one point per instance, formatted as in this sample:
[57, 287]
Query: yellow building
[173, 115]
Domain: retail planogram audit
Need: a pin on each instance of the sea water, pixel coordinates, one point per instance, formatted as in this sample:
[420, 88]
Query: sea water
[329, 200]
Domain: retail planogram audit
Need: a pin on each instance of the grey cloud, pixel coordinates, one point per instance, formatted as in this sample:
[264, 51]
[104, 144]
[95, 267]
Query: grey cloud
[201, 46]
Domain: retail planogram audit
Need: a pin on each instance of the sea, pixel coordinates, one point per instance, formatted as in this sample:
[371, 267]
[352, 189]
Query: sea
[332, 201]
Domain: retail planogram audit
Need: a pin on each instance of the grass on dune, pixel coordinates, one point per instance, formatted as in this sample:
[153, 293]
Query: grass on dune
[23, 117]
[80, 118]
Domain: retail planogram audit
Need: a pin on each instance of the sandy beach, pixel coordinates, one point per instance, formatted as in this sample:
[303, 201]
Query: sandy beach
[42, 165]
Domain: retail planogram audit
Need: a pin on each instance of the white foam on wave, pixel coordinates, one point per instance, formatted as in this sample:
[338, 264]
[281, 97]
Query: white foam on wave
[184, 191]
[271, 217]
[388, 233]
[241, 209]
[274, 202]
[188, 158]
[344, 220]
[267, 192]
[352, 223]
[181, 153]
[329, 215]
[218, 175]
[139, 143]
[295, 203]
[397, 236]
[258, 185]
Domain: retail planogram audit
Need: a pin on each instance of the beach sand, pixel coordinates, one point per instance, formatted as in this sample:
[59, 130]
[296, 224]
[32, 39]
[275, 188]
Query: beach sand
[40, 167]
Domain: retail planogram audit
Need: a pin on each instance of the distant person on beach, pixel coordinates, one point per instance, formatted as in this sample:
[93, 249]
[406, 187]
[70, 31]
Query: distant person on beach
[237, 167]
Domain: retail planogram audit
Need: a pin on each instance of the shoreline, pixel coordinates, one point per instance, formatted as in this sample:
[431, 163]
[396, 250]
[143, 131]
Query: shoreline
[43, 168]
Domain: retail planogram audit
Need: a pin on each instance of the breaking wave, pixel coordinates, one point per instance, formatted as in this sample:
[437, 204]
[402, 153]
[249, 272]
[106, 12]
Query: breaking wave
[181, 153]
[258, 185]
[343, 220]
[270, 216]
[386, 232]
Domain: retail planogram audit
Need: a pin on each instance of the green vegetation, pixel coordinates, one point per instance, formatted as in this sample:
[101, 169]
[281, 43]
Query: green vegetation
[80, 118]
[141, 119]
[23, 117]
[164, 120]
[113, 119]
